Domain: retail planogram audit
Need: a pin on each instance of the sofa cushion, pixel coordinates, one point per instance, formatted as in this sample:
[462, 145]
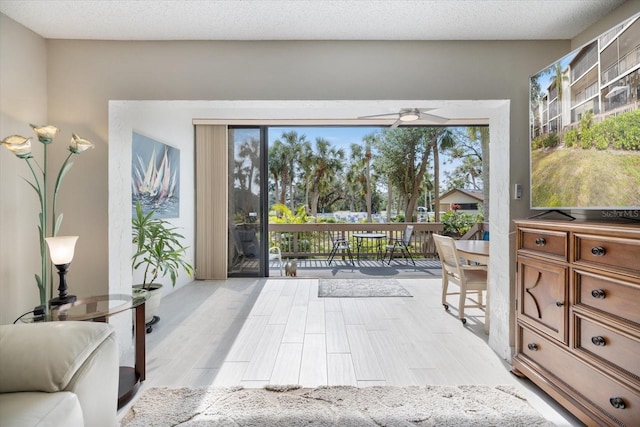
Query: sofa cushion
[47, 366]
[40, 409]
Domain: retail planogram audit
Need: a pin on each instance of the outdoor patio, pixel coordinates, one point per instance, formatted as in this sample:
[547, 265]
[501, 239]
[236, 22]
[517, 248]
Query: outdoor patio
[310, 246]
[318, 268]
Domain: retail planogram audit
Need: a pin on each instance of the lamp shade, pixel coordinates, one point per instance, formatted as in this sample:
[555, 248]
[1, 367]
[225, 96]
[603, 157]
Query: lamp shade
[61, 249]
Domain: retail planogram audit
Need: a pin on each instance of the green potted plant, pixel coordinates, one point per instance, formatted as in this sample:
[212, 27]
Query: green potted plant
[158, 252]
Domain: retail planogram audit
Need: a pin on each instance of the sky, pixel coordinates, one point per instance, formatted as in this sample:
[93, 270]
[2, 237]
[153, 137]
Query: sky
[338, 136]
[343, 137]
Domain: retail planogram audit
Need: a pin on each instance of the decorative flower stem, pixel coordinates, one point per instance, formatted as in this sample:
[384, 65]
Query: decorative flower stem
[41, 280]
[21, 147]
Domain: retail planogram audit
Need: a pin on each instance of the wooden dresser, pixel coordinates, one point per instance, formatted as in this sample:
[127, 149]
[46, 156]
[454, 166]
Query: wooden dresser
[578, 316]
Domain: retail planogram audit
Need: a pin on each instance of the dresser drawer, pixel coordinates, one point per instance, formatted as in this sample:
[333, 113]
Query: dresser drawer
[618, 348]
[543, 297]
[612, 402]
[616, 297]
[547, 243]
[615, 254]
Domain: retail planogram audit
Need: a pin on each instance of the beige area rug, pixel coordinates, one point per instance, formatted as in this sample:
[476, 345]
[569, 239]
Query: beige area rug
[344, 406]
[358, 288]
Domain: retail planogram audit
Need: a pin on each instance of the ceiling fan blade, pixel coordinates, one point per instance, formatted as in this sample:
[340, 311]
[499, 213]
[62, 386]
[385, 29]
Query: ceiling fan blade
[395, 124]
[378, 115]
[433, 118]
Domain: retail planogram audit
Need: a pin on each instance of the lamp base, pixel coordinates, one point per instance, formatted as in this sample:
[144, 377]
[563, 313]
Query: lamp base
[68, 299]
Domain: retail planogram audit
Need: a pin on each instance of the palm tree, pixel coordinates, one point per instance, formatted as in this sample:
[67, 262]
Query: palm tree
[277, 167]
[292, 147]
[558, 79]
[306, 162]
[352, 185]
[481, 133]
[250, 149]
[326, 162]
[361, 158]
[441, 140]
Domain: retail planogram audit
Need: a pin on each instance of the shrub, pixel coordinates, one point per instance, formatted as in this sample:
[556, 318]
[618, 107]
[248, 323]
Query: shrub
[456, 223]
[601, 142]
[536, 144]
[571, 138]
[586, 139]
[550, 141]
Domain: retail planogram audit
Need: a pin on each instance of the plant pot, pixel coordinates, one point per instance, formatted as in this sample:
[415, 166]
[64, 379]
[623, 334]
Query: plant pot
[153, 297]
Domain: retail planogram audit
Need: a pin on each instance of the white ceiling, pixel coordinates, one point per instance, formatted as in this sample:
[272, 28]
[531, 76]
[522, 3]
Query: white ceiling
[308, 19]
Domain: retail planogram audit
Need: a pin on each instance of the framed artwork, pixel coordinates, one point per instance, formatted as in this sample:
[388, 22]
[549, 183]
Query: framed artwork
[155, 177]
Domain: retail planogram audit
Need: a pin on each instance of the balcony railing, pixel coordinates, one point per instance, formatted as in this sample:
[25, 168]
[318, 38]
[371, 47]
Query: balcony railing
[625, 63]
[313, 240]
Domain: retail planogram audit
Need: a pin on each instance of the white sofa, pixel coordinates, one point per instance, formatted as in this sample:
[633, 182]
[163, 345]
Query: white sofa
[58, 374]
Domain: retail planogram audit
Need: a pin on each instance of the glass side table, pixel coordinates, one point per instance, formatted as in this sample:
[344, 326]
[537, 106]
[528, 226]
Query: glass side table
[98, 309]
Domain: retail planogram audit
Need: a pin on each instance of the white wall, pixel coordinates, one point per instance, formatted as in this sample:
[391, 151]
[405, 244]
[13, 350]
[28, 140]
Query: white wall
[166, 122]
[23, 100]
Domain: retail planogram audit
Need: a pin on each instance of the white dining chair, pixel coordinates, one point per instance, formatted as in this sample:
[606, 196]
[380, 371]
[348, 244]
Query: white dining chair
[469, 278]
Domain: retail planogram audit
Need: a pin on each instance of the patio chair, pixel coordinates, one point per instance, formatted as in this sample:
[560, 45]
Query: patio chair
[470, 278]
[402, 244]
[275, 254]
[339, 244]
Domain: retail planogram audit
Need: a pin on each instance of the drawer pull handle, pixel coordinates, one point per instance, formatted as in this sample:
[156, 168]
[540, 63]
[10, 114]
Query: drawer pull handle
[532, 346]
[540, 241]
[598, 293]
[599, 341]
[598, 251]
[617, 402]
[559, 303]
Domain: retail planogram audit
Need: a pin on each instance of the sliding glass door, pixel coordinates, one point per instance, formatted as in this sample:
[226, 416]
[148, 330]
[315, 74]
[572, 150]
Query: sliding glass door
[246, 219]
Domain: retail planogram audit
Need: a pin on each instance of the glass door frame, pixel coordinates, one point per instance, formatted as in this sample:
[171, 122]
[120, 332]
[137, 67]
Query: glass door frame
[263, 214]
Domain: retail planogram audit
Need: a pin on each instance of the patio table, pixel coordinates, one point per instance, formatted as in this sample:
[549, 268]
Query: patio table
[377, 237]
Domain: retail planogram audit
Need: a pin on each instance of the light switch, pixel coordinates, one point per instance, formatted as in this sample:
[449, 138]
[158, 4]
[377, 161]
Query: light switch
[518, 192]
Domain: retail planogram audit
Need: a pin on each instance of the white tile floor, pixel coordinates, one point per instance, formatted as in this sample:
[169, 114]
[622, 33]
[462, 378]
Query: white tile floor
[254, 332]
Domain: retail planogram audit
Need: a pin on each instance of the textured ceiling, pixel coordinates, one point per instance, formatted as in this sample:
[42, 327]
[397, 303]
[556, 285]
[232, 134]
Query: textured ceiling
[308, 19]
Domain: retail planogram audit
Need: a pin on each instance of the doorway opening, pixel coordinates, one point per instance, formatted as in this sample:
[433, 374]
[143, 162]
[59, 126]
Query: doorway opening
[295, 188]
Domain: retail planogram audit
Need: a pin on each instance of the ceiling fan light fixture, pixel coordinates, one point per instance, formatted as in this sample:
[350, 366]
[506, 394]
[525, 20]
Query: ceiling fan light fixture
[409, 116]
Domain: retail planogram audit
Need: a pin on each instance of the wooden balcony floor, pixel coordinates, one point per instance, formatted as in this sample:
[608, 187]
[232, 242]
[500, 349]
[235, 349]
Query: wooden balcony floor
[367, 267]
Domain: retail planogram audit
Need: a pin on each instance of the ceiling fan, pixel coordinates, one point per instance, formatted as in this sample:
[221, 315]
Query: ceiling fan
[409, 115]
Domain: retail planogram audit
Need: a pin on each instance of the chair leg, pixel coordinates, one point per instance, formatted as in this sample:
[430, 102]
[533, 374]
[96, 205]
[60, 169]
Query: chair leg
[445, 287]
[331, 255]
[350, 256]
[391, 253]
[280, 262]
[409, 253]
[463, 300]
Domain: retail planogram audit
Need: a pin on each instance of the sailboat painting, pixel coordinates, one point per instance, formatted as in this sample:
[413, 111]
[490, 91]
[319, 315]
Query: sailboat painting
[155, 177]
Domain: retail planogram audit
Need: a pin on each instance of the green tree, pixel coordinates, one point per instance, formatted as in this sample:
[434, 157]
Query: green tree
[325, 164]
[535, 94]
[292, 145]
[441, 140]
[278, 167]
[404, 155]
[361, 165]
[558, 79]
[481, 133]
[250, 149]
